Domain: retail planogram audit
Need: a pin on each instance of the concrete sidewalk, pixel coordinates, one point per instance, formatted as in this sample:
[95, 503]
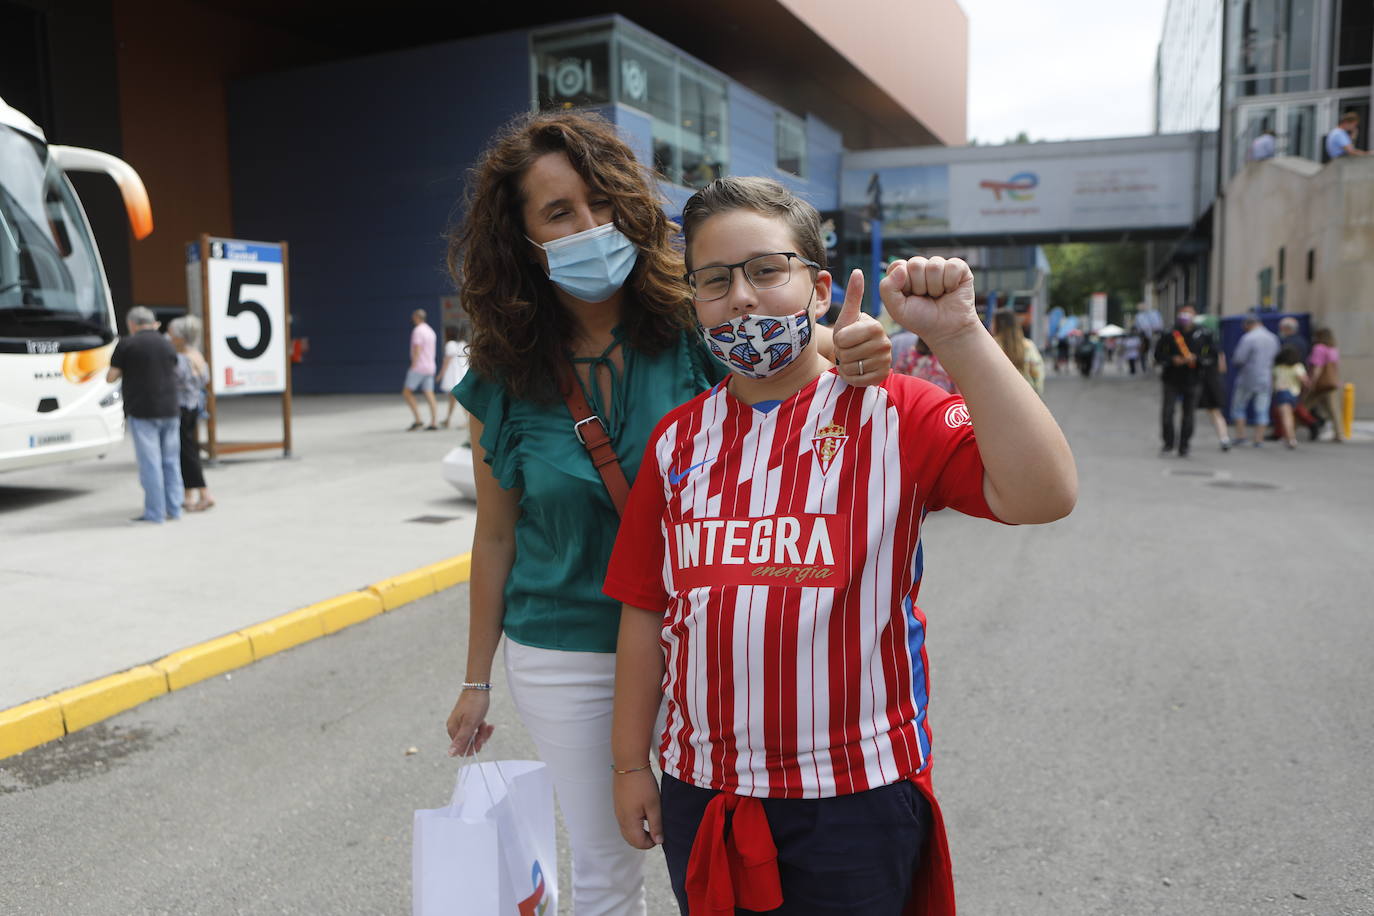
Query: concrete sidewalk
[87, 593]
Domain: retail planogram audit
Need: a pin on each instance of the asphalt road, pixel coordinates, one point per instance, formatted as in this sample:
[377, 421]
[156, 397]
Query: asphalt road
[1158, 705]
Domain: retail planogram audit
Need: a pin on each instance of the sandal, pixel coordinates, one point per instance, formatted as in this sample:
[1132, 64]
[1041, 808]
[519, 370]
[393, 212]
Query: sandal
[414, 426]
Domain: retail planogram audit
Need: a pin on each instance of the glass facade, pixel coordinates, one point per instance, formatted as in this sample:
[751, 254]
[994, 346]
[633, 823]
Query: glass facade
[790, 141]
[1274, 43]
[1188, 68]
[1353, 44]
[687, 105]
[573, 70]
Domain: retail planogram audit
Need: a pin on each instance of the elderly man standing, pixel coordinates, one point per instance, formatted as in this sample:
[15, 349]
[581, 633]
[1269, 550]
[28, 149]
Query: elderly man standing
[1253, 363]
[146, 361]
[1291, 336]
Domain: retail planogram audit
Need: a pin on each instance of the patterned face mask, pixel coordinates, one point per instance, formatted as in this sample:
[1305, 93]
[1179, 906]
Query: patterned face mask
[757, 346]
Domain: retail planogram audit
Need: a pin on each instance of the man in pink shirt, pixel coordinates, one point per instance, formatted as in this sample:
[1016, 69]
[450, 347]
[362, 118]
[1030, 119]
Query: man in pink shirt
[420, 376]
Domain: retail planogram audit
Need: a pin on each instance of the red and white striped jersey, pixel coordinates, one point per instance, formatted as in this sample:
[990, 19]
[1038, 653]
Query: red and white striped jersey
[784, 548]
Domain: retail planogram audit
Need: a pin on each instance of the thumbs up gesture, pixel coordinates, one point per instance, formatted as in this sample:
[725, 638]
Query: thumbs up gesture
[931, 297]
[863, 353]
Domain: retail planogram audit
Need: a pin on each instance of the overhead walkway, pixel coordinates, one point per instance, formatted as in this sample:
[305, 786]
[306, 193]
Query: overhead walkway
[1126, 189]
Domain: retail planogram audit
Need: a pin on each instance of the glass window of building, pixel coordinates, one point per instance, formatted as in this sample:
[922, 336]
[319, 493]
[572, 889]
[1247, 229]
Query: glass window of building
[648, 83]
[790, 138]
[702, 119]
[573, 70]
[1274, 40]
[1354, 40]
[686, 104]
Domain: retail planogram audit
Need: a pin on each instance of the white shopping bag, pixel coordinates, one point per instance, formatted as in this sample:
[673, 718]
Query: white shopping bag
[492, 851]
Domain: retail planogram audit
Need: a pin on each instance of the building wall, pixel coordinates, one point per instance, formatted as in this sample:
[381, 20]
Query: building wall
[1299, 206]
[360, 165]
[753, 149]
[930, 81]
[175, 124]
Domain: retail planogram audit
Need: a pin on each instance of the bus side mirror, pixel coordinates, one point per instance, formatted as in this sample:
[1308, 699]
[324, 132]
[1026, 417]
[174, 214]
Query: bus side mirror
[76, 159]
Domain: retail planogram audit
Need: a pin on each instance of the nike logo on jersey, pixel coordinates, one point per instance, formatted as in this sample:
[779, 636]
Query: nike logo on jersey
[675, 478]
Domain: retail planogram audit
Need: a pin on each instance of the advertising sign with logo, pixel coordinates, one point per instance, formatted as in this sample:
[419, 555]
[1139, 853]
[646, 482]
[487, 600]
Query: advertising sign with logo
[247, 329]
[1083, 193]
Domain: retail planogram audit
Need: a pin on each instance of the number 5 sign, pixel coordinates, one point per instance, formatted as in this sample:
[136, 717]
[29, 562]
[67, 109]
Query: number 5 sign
[238, 289]
[245, 321]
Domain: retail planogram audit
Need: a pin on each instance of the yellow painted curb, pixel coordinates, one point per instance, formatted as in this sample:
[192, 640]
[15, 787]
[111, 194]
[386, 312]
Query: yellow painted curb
[40, 721]
[29, 725]
[205, 660]
[448, 573]
[283, 632]
[346, 610]
[403, 589]
[89, 703]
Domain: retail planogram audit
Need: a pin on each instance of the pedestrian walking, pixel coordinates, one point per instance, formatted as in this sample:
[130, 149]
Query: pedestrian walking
[1020, 349]
[805, 785]
[1211, 366]
[1061, 354]
[575, 287]
[1253, 363]
[1175, 353]
[1290, 378]
[420, 375]
[1324, 387]
[192, 375]
[1085, 354]
[1290, 335]
[145, 362]
[1130, 351]
[454, 368]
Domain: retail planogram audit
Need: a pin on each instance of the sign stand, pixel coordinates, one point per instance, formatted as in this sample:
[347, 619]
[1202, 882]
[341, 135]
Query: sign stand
[271, 320]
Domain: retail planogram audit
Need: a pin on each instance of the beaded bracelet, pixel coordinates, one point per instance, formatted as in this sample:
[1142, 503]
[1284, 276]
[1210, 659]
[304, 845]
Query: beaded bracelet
[632, 770]
[477, 685]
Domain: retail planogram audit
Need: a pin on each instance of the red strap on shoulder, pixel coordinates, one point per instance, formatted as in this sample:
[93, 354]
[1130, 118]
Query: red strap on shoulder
[591, 432]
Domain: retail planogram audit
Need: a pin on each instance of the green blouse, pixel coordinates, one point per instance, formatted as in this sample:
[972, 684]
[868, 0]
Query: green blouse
[567, 523]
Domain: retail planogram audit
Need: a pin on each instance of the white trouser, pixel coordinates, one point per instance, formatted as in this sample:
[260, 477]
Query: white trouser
[564, 700]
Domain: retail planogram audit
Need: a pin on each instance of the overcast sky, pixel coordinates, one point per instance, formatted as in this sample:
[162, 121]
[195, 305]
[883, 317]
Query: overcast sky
[1061, 69]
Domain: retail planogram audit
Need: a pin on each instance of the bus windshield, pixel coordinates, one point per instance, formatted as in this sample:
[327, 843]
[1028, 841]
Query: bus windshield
[51, 288]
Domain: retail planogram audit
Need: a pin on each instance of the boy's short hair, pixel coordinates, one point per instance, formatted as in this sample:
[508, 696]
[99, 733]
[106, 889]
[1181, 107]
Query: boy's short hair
[1349, 116]
[762, 195]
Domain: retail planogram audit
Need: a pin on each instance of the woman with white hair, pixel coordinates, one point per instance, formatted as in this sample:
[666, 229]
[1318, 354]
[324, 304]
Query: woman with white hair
[192, 374]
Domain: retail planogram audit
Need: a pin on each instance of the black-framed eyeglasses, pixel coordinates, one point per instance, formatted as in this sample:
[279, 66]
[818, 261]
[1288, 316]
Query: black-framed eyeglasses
[764, 271]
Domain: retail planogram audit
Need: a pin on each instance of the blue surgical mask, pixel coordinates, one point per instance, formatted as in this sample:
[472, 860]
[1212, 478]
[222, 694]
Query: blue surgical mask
[590, 265]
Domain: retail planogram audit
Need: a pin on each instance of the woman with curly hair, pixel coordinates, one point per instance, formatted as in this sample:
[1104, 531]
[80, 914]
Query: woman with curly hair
[570, 276]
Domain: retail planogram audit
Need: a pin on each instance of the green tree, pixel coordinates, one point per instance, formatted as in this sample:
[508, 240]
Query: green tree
[1077, 270]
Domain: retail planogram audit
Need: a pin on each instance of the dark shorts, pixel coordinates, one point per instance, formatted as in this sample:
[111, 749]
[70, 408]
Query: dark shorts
[851, 854]
[1209, 393]
[1285, 397]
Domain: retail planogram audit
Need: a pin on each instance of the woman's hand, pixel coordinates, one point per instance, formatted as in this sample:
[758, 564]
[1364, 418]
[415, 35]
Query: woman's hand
[467, 724]
[859, 340]
[637, 801]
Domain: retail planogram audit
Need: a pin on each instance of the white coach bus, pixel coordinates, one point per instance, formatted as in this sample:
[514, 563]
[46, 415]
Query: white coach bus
[57, 323]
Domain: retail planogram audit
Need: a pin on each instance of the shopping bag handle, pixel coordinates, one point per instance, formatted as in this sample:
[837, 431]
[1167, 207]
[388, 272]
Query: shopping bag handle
[456, 801]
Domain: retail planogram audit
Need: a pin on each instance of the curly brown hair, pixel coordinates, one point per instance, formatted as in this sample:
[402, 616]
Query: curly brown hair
[519, 328]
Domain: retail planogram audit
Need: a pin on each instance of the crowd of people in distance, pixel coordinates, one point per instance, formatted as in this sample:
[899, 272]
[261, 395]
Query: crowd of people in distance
[1281, 382]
